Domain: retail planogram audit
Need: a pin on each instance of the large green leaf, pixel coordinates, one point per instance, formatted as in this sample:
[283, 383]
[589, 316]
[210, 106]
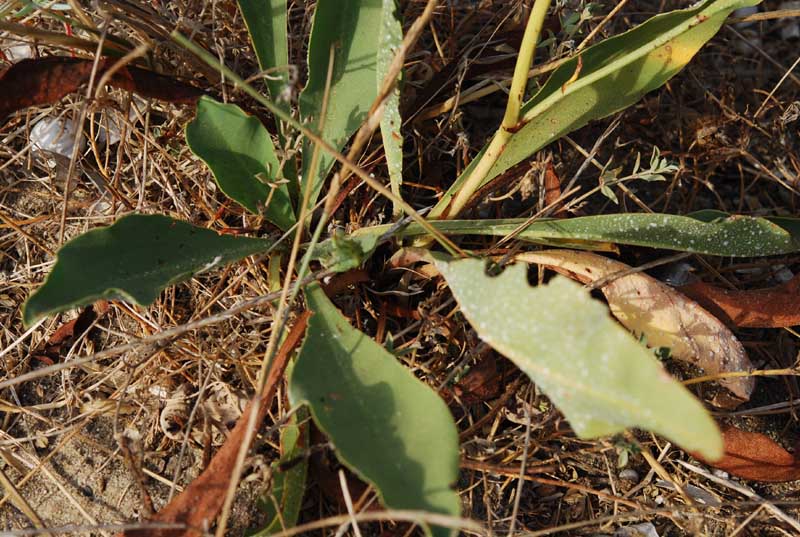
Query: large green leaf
[351, 29]
[239, 151]
[611, 76]
[705, 232]
[597, 373]
[391, 37]
[266, 23]
[386, 425]
[133, 260]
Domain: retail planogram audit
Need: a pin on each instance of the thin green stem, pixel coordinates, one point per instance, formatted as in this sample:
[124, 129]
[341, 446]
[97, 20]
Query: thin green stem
[513, 107]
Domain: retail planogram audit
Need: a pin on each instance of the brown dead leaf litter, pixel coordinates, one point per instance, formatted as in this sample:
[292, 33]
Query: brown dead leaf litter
[101, 443]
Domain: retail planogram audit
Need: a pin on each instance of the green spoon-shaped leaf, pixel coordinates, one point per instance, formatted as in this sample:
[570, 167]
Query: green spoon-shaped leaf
[387, 426]
[597, 373]
[239, 151]
[133, 260]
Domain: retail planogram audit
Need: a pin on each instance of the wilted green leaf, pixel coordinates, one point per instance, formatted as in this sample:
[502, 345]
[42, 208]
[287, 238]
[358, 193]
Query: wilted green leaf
[341, 253]
[706, 232]
[612, 75]
[350, 28]
[597, 373]
[391, 37]
[133, 260]
[266, 23]
[239, 151]
[386, 425]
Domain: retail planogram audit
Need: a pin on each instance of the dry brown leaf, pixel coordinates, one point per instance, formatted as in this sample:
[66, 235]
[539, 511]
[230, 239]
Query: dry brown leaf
[756, 457]
[775, 307]
[46, 80]
[339, 283]
[483, 382]
[199, 504]
[664, 316]
[552, 189]
[69, 332]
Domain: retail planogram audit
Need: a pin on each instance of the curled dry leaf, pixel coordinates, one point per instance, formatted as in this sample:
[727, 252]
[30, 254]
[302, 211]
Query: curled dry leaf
[552, 189]
[756, 457]
[661, 314]
[46, 80]
[199, 504]
[775, 307]
[174, 414]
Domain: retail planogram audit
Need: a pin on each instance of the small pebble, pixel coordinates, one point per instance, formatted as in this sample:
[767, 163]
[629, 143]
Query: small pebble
[783, 274]
[743, 12]
[645, 529]
[790, 28]
[720, 473]
[629, 474]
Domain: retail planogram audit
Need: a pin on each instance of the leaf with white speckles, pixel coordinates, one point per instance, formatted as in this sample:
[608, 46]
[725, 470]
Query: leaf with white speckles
[664, 316]
[705, 232]
[598, 374]
[391, 37]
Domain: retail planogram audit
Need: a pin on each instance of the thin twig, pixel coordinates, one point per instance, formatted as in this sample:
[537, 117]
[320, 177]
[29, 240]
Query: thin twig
[161, 337]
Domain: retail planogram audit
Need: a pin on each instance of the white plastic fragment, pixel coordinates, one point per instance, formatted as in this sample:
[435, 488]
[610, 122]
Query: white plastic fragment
[109, 130]
[17, 51]
[55, 135]
[645, 529]
[110, 125]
